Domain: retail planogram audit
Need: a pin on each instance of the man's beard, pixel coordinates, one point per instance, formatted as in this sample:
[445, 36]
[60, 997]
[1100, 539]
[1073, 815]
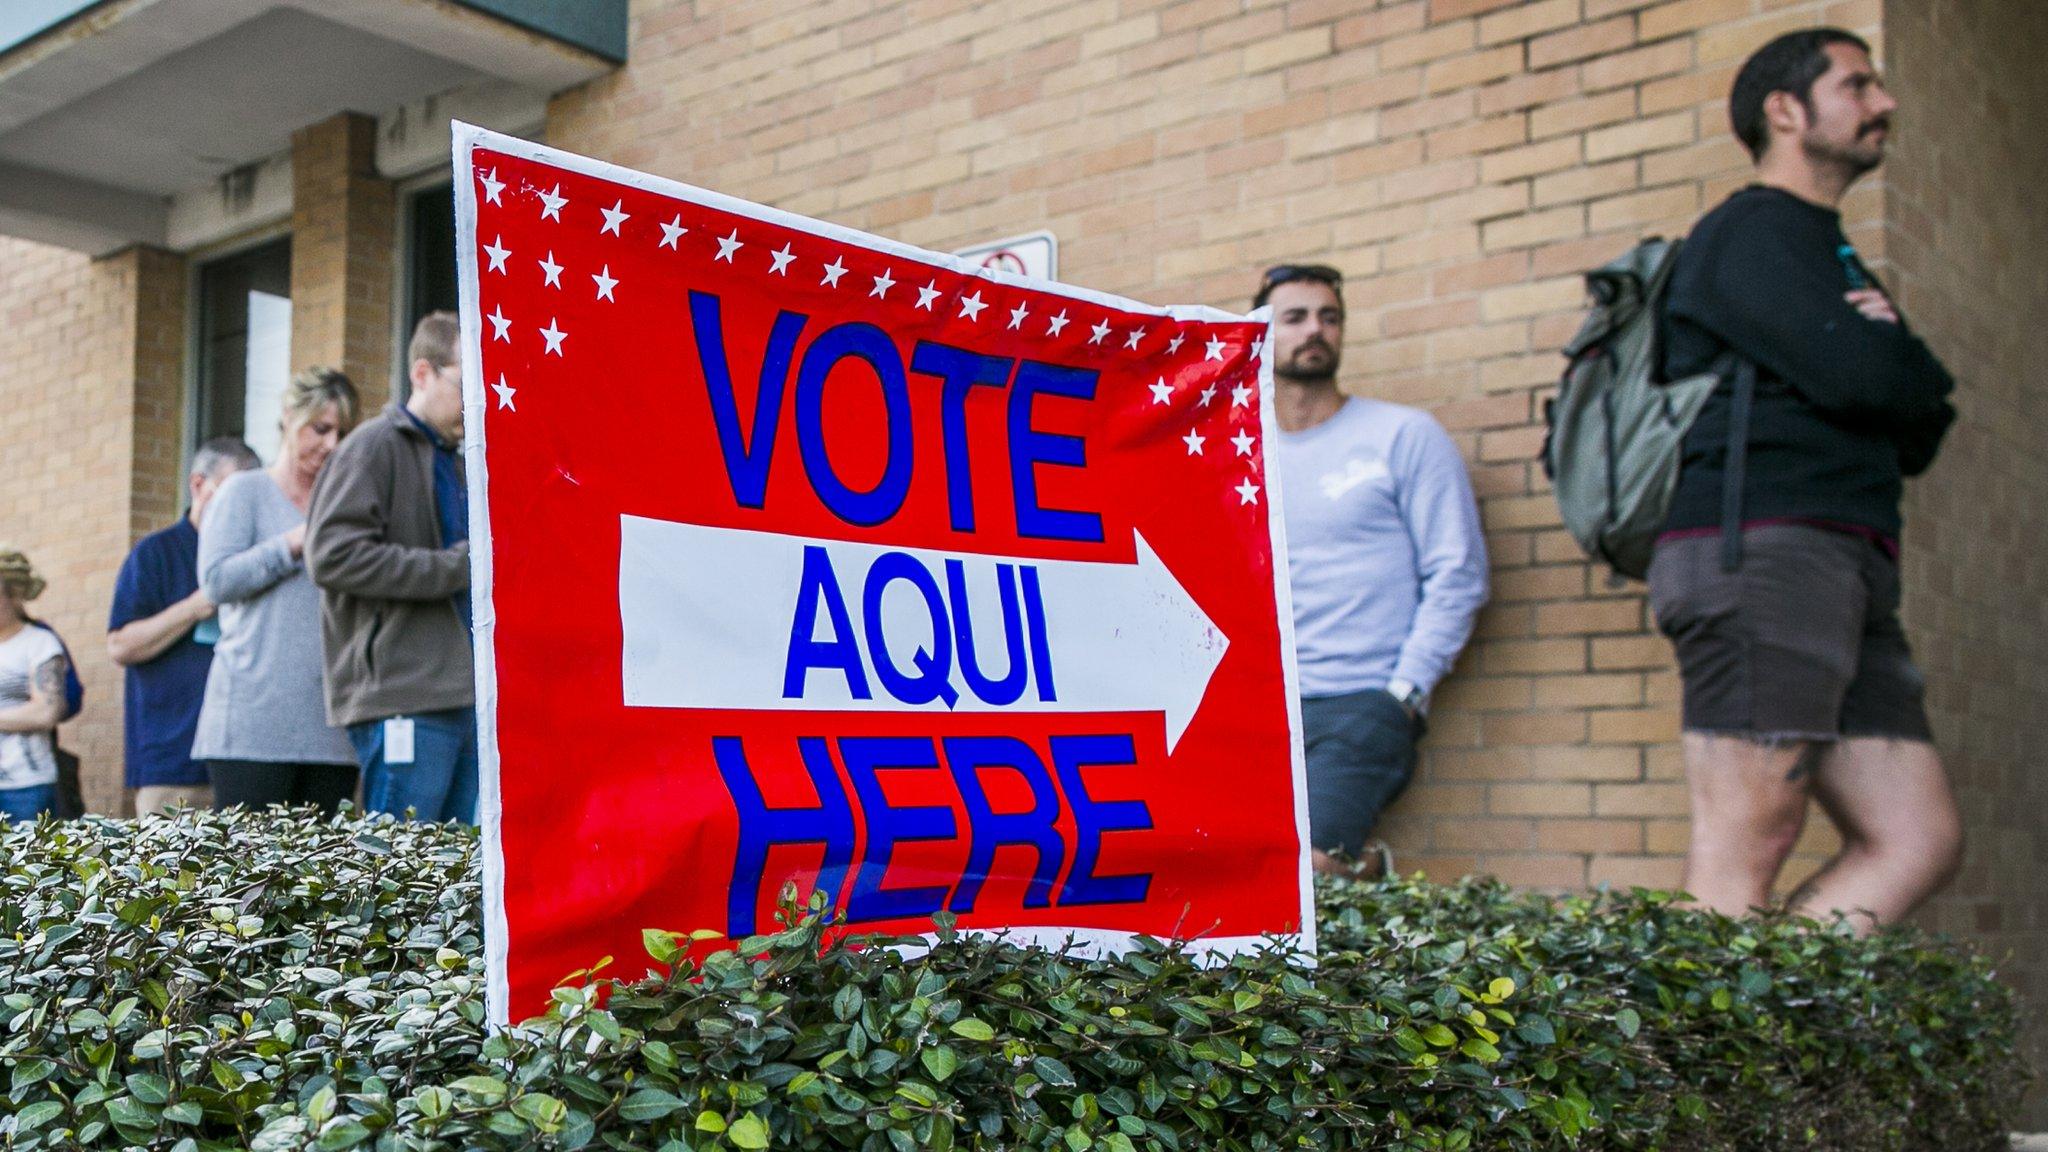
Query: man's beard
[1858, 156]
[1292, 368]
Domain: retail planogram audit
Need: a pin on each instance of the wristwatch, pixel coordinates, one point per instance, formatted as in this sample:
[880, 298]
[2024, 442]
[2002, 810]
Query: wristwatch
[1411, 697]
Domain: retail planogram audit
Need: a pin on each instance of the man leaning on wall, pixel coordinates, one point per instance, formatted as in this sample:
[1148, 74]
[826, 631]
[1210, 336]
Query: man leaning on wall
[1386, 561]
[1797, 679]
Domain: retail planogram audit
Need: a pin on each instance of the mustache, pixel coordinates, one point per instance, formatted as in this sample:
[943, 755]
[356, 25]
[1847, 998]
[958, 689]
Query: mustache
[1883, 123]
[1313, 342]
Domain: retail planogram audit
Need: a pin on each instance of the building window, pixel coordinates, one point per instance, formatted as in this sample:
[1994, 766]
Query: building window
[245, 343]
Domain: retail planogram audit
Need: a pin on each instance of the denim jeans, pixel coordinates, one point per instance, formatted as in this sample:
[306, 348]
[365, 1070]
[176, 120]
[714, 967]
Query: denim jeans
[23, 805]
[439, 784]
[1360, 749]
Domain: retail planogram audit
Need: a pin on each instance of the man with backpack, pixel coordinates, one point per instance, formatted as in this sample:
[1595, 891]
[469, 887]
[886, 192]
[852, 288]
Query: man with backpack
[1775, 573]
[1385, 558]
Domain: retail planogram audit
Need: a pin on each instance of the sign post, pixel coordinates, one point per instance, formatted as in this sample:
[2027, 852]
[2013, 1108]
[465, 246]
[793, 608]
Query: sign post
[803, 556]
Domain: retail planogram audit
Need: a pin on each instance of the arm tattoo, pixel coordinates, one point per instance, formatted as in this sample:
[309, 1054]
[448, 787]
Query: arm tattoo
[49, 679]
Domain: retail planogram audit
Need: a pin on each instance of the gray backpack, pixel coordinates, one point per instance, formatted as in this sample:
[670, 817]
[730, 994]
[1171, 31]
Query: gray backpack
[1615, 429]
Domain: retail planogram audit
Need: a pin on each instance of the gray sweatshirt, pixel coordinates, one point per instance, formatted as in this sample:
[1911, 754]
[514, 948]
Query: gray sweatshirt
[1384, 549]
[263, 697]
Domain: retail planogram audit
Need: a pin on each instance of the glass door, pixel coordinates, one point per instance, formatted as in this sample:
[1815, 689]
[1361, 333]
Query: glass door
[245, 342]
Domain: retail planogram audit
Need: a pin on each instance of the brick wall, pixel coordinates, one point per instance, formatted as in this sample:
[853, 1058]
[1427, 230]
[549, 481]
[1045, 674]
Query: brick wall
[343, 214]
[1970, 260]
[91, 387]
[1463, 160]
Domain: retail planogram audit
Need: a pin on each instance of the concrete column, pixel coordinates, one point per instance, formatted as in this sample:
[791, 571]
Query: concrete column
[342, 221]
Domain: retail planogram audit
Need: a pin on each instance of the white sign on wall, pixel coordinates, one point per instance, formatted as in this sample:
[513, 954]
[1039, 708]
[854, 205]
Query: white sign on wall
[1032, 254]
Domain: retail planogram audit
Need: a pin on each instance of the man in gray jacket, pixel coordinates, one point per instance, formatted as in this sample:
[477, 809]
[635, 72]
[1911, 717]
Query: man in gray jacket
[388, 545]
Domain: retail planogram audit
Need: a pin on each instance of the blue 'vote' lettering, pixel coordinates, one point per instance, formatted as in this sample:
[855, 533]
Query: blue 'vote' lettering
[748, 452]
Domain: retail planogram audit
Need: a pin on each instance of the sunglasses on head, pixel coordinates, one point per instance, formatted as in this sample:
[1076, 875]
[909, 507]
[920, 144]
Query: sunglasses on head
[1280, 274]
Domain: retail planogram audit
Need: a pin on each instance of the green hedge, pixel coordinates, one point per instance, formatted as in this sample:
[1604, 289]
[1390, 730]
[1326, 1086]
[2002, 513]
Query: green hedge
[280, 983]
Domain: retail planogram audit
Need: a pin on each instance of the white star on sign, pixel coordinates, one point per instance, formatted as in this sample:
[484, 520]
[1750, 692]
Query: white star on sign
[971, 306]
[1241, 396]
[672, 231]
[1131, 341]
[1174, 344]
[605, 283]
[498, 252]
[1194, 441]
[1258, 345]
[727, 245]
[1247, 492]
[1244, 442]
[1208, 394]
[1099, 331]
[504, 392]
[551, 204]
[1161, 391]
[492, 185]
[782, 257]
[882, 285]
[503, 326]
[833, 272]
[1058, 322]
[1017, 317]
[927, 294]
[613, 217]
[551, 270]
[1215, 349]
[553, 335]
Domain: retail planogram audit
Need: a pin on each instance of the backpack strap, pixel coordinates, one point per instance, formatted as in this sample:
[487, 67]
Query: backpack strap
[1735, 464]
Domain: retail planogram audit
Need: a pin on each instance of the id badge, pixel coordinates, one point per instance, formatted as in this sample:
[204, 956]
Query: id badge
[398, 740]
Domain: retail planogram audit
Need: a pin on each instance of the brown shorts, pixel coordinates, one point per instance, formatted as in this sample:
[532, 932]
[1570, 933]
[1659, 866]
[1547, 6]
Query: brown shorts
[1801, 643]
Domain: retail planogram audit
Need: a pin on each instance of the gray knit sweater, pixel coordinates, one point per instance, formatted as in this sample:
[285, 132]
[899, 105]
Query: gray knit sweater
[263, 697]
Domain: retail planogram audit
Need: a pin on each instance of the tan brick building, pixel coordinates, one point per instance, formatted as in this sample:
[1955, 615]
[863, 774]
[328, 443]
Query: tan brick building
[1463, 160]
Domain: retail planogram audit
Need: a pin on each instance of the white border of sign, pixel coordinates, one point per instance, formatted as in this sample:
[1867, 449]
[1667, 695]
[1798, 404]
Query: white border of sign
[468, 137]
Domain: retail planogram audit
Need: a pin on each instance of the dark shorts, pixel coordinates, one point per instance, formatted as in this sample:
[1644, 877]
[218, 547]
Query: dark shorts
[1802, 642]
[1360, 749]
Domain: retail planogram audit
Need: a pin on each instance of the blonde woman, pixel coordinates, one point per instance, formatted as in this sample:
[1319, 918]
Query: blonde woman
[32, 666]
[263, 724]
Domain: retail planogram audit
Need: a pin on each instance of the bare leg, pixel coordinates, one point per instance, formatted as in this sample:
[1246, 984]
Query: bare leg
[1748, 805]
[1902, 836]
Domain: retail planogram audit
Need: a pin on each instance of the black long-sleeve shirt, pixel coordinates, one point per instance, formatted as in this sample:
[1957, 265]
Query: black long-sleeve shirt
[1845, 406]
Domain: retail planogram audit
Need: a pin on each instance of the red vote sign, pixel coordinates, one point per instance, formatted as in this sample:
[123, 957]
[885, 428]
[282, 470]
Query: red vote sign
[805, 556]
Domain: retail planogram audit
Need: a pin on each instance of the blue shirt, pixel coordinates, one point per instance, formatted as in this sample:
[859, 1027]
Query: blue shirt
[451, 497]
[161, 712]
[1384, 550]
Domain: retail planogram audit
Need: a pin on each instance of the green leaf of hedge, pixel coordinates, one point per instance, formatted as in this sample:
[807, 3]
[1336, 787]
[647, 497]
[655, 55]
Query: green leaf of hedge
[649, 1104]
[1629, 1022]
[1053, 1072]
[974, 1029]
[749, 1131]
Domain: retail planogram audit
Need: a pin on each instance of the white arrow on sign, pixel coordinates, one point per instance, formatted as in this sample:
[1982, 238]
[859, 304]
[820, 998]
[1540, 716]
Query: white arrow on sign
[708, 616]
